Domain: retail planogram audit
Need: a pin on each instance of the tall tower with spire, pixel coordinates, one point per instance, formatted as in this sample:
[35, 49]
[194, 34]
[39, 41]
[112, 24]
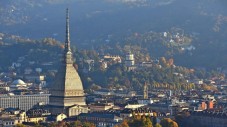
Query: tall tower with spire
[67, 93]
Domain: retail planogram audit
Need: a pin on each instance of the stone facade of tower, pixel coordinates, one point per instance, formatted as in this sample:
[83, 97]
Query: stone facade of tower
[129, 60]
[67, 93]
[145, 91]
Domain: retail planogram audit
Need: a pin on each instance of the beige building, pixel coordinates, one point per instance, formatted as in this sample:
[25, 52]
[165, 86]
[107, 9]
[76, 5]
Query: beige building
[11, 118]
[61, 117]
[8, 122]
[67, 90]
[126, 113]
[76, 110]
[100, 107]
[37, 119]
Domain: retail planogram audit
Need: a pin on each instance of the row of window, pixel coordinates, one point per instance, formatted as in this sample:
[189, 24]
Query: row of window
[9, 123]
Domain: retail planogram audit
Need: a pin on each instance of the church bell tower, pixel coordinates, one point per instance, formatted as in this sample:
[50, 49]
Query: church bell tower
[145, 91]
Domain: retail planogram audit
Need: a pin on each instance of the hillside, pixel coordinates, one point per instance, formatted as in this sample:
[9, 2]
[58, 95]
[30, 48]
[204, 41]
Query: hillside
[18, 54]
[94, 23]
[15, 49]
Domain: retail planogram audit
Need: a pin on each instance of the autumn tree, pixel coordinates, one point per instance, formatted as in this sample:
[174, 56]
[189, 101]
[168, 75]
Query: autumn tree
[163, 62]
[88, 124]
[76, 124]
[146, 122]
[123, 124]
[50, 41]
[142, 121]
[167, 122]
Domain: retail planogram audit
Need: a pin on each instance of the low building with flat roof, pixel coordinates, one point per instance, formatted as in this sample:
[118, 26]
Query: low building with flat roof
[23, 102]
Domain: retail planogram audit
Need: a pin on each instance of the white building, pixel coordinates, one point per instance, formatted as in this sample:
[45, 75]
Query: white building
[18, 84]
[145, 101]
[23, 102]
[129, 60]
[134, 106]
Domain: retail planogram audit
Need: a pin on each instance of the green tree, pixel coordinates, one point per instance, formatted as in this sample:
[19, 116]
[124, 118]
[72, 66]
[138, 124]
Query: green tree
[20, 125]
[148, 122]
[158, 125]
[38, 125]
[76, 124]
[88, 124]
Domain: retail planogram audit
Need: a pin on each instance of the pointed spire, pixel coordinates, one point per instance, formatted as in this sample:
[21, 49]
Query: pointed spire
[67, 39]
[68, 53]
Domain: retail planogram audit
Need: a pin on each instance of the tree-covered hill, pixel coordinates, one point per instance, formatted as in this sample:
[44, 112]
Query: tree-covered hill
[32, 54]
[13, 48]
[103, 23]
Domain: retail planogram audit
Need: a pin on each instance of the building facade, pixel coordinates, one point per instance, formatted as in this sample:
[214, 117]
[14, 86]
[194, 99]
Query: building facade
[211, 118]
[129, 60]
[100, 119]
[23, 102]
